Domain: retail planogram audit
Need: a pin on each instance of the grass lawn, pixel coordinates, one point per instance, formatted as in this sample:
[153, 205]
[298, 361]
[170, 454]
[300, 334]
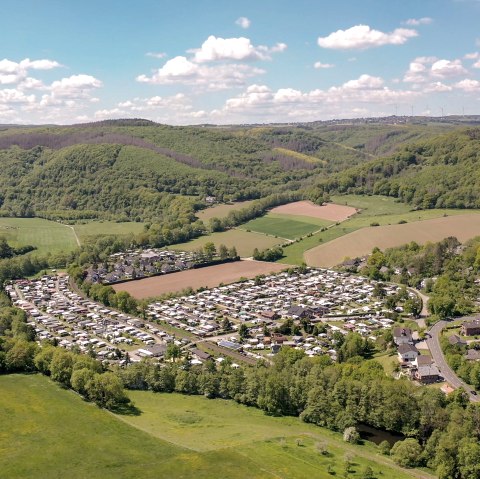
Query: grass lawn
[388, 360]
[244, 241]
[47, 236]
[96, 228]
[52, 433]
[285, 226]
[220, 211]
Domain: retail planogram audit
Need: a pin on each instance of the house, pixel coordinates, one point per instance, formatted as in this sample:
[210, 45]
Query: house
[455, 340]
[271, 315]
[427, 374]
[422, 360]
[402, 336]
[299, 312]
[153, 351]
[201, 355]
[470, 328]
[473, 355]
[407, 353]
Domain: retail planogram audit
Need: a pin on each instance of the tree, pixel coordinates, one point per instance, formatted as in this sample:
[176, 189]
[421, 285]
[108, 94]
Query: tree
[384, 448]
[173, 352]
[351, 435]
[210, 250]
[61, 366]
[407, 453]
[106, 390]
[20, 357]
[223, 252]
[243, 331]
[80, 380]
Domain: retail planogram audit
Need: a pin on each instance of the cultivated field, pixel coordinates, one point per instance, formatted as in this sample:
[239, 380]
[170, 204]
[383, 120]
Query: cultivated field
[362, 241]
[329, 212]
[209, 277]
[47, 236]
[52, 433]
[244, 241]
[220, 211]
[285, 226]
[98, 228]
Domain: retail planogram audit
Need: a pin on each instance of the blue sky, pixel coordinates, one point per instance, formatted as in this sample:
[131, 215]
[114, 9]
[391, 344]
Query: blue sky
[214, 61]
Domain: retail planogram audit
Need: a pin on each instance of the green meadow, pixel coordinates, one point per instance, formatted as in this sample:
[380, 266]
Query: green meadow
[49, 432]
[285, 226]
[46, 236]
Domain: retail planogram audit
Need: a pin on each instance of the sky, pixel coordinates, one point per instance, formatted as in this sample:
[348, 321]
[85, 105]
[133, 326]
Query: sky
[184, 62]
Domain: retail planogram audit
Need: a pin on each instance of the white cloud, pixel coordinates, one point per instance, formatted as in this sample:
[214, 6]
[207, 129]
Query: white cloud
[320, 65]
[75, 86]
[476, 64]
[436, 87]
[217, 77]
[366, 82]
[156, 54]
[424, 69]
[447, 68]
[468, 85]
[243, 22]
[12, 95]
[415, 22]
[237, 49]
[362, 37]
[471, 56]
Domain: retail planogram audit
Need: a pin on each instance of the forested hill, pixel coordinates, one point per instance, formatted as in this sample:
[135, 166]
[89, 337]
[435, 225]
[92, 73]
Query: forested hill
[442, 172]
[136, 169]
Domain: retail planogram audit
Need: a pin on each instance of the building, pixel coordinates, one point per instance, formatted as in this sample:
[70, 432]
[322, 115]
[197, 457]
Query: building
[470, 328]
[455, 340]
[407, 353]
[402, 336]
[427, 374]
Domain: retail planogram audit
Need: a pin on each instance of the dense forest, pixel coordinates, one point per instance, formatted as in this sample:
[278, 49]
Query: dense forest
[140, 171]
[441, 172]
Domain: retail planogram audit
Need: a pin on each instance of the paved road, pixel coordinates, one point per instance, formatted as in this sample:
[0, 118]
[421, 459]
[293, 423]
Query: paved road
[433, 341]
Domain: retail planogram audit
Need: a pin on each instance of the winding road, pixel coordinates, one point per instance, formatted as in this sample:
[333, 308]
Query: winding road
[433, 342]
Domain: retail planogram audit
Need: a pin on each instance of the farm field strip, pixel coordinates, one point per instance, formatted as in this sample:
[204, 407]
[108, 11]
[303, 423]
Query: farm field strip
[244, 241]
[95, 228]
[209, 277]
[330, 211]
[220, 211]
[284, 226]
[362, 241]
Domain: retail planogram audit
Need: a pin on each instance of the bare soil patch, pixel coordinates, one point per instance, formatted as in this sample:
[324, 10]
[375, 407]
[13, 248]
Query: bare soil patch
[209, 277]
[329, 211]
[361, 242]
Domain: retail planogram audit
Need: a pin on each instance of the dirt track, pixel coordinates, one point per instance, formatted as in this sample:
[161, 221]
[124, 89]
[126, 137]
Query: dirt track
[330, 211]
[196, 278]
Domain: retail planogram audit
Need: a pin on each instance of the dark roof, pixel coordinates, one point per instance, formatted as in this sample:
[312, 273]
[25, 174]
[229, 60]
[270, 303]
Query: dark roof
[201, 354]
[158, 349]
[230, 345]
[425, 371]
[423, 360]
[454, 339]
[473, 355]
[407, 348]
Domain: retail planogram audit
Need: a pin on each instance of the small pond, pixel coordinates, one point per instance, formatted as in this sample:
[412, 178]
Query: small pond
[375, 435]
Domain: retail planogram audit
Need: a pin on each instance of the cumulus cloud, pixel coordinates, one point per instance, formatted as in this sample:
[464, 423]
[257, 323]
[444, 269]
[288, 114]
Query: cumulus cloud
[14, 72]
[352, 98]
[424, 69]
[243, 22]
[237, 49]
[216, 77]
[415, 22]
[75, 86]
[361, 37]
[476, 64]
[468, 85]
[471, 56]
[320, 65]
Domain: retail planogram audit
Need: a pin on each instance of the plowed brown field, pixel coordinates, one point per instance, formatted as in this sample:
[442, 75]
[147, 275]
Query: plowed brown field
[330, 211]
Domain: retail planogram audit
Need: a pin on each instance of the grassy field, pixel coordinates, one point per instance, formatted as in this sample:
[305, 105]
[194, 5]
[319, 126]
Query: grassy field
[47, 236]
[374, 209]
[285, 226]
[52, 431]
[96, 228]
[220, 211]
[244, 241]
[362, 241]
